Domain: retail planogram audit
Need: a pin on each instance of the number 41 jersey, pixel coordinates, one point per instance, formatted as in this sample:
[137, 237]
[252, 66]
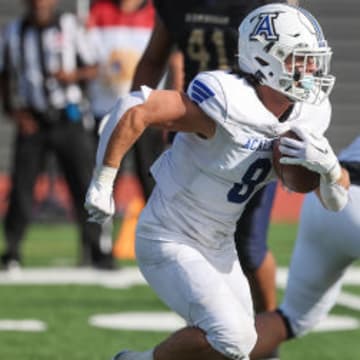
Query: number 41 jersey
[206, 31]
[207, 182]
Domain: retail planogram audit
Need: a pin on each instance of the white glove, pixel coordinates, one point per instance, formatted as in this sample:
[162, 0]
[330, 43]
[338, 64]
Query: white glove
[311, 151]
[99, 200]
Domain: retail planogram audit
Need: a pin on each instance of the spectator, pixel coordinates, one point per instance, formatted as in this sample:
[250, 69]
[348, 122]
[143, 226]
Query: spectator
[119, 31]
[46, 62]
[184, 239]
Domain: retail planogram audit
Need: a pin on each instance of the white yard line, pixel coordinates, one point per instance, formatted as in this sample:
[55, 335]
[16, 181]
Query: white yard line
[349, 300]
[22, 325]
[122, 278]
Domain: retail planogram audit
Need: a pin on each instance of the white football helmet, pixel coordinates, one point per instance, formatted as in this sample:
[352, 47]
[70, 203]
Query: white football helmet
[275, 33]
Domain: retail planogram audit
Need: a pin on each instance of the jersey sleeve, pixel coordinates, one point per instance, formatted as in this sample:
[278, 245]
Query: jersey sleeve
[207, 92]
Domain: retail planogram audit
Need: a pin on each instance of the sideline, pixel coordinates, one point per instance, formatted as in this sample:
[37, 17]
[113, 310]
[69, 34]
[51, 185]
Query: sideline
[122, 278]
[22, 325]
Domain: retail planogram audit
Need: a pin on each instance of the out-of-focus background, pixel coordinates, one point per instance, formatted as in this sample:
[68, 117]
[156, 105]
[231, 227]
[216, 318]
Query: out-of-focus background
[54, 311]
[340, 21]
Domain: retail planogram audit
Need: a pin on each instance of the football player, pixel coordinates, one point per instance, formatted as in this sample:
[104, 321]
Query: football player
[327, 244]
[219, 159]
[206, 34]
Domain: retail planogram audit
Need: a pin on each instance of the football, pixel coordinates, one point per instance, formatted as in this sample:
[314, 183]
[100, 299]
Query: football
[296, 178]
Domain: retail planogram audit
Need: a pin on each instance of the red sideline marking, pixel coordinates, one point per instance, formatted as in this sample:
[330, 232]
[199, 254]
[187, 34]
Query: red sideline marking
[286, 207]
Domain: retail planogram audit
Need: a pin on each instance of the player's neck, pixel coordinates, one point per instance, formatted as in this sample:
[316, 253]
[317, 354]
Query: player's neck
[274, 101]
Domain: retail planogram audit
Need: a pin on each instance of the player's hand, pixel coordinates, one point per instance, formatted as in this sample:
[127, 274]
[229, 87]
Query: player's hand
[311, 151]
[99, 201]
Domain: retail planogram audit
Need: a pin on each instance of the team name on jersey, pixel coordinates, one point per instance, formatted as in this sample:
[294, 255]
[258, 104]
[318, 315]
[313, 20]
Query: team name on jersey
[257, 144]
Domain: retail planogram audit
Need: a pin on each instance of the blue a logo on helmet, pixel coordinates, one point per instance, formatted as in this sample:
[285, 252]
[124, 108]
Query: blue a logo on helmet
[265, 27]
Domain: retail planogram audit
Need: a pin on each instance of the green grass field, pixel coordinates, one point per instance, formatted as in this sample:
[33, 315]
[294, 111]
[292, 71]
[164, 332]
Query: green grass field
[66, 308]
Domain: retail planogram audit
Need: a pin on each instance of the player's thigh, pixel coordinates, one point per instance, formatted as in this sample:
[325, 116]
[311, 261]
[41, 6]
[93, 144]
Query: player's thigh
[200, 291]
[182, 275]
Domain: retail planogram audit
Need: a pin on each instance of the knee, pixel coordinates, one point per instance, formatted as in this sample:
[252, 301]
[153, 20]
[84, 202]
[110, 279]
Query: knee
[235, 341]
[296, 323]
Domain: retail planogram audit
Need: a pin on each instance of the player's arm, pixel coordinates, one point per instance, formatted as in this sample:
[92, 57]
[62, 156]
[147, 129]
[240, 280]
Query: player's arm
[175, 76]
[334, 195]
[170, 110]
[152, 64]
[166, 109]
[315, 153]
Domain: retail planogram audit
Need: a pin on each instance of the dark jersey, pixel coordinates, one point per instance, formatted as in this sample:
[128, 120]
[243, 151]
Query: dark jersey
[206, 31]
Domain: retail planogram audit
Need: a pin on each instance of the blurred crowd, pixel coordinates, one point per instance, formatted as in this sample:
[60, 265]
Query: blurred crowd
[60, 75]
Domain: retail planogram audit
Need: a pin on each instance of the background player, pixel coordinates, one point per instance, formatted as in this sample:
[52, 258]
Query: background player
[184, 239]
[327, 244]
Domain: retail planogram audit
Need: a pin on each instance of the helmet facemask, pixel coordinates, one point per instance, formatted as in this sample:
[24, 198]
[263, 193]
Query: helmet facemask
[305, 75]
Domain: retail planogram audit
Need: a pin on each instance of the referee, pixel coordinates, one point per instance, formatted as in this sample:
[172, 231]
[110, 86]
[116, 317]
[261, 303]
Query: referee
[45, 63]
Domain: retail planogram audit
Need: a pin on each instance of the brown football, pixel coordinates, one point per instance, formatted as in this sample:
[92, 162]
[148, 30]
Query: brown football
[296, 178]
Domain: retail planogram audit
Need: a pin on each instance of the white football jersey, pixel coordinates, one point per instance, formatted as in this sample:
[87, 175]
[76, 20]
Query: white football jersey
[206, 183]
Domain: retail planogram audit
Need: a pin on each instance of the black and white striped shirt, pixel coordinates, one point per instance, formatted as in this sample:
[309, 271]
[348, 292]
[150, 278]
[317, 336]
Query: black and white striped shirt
[30, 55]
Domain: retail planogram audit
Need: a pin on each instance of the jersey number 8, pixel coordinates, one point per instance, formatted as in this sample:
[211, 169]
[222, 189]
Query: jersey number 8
[255, 174]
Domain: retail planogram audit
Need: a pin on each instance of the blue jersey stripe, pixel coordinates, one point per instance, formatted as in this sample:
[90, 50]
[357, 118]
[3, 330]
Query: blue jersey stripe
[200, 92]
[196, 89]
[196, 98]
[204, 87]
